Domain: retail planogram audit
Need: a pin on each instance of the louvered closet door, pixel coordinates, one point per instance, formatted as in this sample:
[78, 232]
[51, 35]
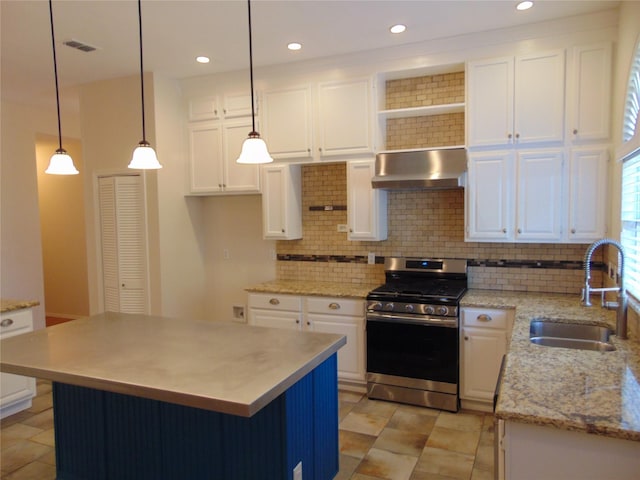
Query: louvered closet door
[123, 244]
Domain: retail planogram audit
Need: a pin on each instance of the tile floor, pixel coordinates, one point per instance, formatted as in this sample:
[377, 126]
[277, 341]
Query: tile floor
[378, 440]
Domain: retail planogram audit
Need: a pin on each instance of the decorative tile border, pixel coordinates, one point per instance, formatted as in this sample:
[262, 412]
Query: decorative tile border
[542, 264]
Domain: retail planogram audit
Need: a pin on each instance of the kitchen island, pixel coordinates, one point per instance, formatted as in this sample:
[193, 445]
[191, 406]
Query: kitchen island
[147, 397]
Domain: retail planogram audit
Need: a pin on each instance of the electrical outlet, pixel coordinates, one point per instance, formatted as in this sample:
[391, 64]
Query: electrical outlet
[238, 313]
[371, 258]
[342, 227]
[297, 471]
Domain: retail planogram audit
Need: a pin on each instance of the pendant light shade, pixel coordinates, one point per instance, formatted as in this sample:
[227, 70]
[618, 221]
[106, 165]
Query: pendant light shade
[144, 156]
[254, 149]
[61, 162]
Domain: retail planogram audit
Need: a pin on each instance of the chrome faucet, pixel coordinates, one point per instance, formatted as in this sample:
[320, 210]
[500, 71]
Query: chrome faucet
[621, 304]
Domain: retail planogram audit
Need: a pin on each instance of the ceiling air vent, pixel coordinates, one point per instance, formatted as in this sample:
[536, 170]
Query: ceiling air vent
[79, 45]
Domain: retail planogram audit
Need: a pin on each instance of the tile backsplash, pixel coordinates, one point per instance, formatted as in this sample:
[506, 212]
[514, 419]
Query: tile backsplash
[421, 223]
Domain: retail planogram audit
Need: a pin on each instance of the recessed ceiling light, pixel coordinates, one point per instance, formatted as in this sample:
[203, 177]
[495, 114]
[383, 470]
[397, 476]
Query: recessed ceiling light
[294, 46]
[202, 59]
[524, 5]
[398, 28]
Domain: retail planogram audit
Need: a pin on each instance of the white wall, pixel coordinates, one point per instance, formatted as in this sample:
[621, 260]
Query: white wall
[21, 274]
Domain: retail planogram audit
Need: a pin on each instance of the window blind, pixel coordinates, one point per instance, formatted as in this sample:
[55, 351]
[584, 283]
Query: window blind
[632, 103]
[630, 216]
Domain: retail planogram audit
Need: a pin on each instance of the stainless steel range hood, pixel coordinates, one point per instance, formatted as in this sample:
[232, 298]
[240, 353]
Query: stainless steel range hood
[422, 169]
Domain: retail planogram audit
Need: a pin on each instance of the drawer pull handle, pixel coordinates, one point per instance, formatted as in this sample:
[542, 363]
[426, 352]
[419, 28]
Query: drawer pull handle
[334, 306]
[484, 318]
[7, 322]
[274, 301]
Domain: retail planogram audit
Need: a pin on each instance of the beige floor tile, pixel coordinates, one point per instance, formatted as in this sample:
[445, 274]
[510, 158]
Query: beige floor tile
[42, 420]
[352, 397]
[364, 423]
[20, 454]
[33, 471]
[343, 409]
[416, 475]
[387, 465]
[399, 441]
[360, 476]
[45, 438]
[348, 466]
[484, 457]
[41, 403]
[409, 421]
[467, 422]
[454, 440]
[355, 444]
[376, 407]
[482, 474]
[445, 462]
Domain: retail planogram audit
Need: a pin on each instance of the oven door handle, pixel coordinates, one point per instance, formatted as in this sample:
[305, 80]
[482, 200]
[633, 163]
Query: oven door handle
[401, 318]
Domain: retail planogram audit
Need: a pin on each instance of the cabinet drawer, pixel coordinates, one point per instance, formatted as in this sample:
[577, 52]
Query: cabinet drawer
[335, 306]
[486, 318]
[15, 322]
[274, 301]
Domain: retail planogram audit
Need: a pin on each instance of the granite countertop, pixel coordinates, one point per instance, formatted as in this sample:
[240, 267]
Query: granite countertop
[7, 305]
[594, 392]
[322, 289]
[225, 367]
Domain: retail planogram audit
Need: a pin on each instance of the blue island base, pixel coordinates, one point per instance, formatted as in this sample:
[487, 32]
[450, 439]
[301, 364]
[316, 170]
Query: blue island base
[109, 436]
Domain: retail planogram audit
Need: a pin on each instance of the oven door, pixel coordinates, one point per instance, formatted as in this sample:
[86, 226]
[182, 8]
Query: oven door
[401, 346]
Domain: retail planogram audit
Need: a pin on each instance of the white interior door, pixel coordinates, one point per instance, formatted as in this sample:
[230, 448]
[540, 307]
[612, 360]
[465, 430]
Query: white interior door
[124, 246]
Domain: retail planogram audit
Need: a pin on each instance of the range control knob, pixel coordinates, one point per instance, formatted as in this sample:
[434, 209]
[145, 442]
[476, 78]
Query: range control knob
[388, 307]
[376, 306]
[408, 307]
[443, 310]
[429, 310]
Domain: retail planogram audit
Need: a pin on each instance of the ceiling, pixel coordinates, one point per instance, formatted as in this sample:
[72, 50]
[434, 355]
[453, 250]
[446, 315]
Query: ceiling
[176, 31]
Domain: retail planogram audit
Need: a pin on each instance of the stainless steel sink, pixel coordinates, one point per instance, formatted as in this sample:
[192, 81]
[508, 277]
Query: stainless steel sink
[570, 335]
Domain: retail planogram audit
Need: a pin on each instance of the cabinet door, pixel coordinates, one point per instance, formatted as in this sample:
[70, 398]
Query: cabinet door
[366, 206]
[203, 108]
[490, 102]
[237, 105]
[275, 319]
[590, 93]
[281, 202]
[205, 154]
[489, 196]
[286, 120]
[587, 193]
[239, 178]
[482, 351]
[351, 363]
[15, 389]
[539, 97]
[345, 117]
[539, 195]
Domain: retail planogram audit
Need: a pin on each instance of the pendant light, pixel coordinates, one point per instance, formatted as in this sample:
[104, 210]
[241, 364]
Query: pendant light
[254, 150]
[144, 156]
[60, 162]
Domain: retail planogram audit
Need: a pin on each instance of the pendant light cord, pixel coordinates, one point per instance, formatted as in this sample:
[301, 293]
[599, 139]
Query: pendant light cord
[55, 74]
[253, 115]
[144, 135]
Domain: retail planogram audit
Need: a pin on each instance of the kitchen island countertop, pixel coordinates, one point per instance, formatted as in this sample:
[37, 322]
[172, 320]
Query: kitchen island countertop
[225, 367]
[578, 390]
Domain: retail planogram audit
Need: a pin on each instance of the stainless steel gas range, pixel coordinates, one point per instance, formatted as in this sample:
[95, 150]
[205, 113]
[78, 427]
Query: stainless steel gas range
[412, 332]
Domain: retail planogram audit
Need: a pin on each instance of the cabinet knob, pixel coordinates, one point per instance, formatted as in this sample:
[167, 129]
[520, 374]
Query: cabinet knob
[509, 136]
[573, 230]
[219, 185]
[575, 131]
[308, 323]
[519, 230]
[7, 322]
[298, 321]
[215, 112]
[308, 150]
[320, 149]
[466, 337]
[484, 318]
[517, 135]
[334, 306]
[283, 230]
[123, 285]
[224, 110]
[274, 301]
[504, 230]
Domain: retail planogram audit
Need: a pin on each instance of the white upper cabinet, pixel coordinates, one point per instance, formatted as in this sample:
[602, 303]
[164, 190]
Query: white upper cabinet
[589, 95]
[587, 193]
[539, 195]
[366, 206]
[281, 202]
[214, 147]
[287, 121]
[203, 108]
[488, 204]
[345, 117]
[517, 100]
[216, 107]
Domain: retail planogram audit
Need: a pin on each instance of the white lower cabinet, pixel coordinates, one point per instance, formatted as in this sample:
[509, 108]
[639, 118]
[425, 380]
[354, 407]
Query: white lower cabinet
[341, 316]
[533, 452]
[484, 337]
[16, 391]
